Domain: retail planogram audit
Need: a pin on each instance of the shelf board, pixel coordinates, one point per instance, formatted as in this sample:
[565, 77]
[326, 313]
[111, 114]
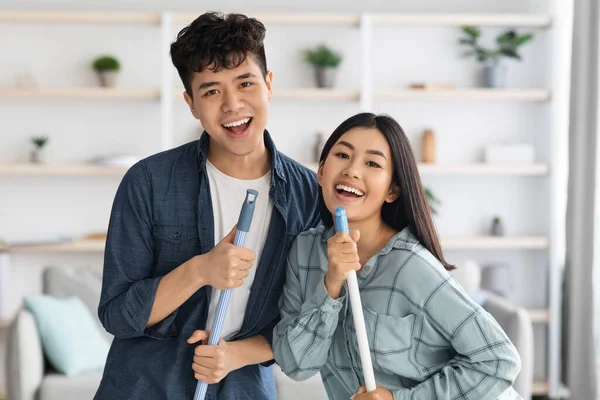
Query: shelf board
[74, 246]
[308, 19]
[476, 169]
[483, 169]
[81, 93]
[448, 243]
[493, 242]
[512, 20]
[93, 17]
[303, 94]
[316, 94]
[71, 169]
[540, 388]
[533, 95]
[539, 315]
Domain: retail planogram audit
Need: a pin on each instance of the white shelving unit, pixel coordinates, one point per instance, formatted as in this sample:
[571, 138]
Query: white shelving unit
[556, 97]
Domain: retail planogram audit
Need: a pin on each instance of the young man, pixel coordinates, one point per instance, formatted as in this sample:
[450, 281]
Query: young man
[162, 271]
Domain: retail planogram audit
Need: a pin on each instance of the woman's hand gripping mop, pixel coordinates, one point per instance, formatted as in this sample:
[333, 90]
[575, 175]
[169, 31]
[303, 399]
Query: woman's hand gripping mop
[341, 222]
[243, 227]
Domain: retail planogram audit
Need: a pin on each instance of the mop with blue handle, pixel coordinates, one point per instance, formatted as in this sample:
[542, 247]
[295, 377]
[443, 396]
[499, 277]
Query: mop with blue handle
[341, 222]
[243, 227]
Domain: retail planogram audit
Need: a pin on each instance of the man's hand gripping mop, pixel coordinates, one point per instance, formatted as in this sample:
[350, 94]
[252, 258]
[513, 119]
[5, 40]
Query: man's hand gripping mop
[243, 227]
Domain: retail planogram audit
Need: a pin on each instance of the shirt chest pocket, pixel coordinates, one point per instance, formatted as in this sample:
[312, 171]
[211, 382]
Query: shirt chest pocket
[174, 245]
[390, 340]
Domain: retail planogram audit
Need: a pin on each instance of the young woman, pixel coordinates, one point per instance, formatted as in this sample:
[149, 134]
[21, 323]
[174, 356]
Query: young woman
[428, 339]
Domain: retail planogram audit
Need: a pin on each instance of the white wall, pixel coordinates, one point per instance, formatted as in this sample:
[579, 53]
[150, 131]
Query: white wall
[59, 55]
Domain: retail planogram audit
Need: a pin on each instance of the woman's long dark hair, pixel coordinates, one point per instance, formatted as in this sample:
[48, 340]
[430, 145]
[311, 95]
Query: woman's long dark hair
[411, 207]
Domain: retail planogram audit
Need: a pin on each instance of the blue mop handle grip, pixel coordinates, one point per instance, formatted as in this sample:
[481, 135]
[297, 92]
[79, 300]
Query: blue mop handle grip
[243, 227]
[245, 219]
[341, 221]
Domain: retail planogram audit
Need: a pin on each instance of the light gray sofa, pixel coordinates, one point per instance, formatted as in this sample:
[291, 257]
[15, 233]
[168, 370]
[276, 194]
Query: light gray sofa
[31, 378]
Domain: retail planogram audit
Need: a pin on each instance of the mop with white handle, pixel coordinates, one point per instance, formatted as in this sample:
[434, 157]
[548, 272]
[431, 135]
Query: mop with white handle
[341, 222]
[243, 227]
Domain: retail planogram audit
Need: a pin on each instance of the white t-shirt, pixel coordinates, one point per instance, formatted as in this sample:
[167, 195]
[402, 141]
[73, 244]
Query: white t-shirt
[228, 195]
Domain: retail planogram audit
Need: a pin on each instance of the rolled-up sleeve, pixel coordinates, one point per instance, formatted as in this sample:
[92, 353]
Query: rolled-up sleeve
[304, 335]
[128, 285]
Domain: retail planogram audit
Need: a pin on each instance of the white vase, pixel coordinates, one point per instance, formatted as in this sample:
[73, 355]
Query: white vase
[108, 78]
[325, 77]
[495, 75]
[36, 156]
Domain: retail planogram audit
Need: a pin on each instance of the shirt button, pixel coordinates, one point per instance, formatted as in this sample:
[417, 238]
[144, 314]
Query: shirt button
[176, 236]
[335, 306]
[367, 268]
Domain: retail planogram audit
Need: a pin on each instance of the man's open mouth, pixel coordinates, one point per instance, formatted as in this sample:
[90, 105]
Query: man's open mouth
[238, 126]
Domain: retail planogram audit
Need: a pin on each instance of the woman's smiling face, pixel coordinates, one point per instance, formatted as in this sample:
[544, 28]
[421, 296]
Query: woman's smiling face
[357, 175]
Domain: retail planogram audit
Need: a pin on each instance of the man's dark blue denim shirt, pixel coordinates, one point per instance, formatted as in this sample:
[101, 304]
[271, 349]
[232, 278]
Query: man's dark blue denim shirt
[161, 217]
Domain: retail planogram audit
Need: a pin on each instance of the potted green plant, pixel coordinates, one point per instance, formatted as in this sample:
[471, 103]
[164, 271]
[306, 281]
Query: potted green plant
[507, 45]
[107, 68]
[39, 142]
[325, 62]
[433, 200]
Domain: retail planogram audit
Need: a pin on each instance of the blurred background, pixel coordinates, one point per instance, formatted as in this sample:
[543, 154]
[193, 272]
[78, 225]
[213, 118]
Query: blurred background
[499, 99]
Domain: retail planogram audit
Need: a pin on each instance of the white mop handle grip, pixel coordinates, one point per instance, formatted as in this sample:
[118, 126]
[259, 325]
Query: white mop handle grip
[357, 312]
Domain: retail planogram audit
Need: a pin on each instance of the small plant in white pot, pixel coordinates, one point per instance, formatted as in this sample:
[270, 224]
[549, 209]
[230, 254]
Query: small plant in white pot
[507, 43]
[107, 68]
[325, 62]
[39, 142]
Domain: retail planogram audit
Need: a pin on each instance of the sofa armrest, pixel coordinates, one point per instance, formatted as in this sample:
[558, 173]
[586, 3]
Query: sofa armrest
[25, 358]
[516, 323]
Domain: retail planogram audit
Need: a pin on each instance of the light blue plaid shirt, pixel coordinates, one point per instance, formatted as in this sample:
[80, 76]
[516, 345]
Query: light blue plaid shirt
[428, 339]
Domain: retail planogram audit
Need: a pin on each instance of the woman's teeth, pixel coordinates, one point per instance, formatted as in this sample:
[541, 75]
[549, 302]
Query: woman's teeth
[349, 190]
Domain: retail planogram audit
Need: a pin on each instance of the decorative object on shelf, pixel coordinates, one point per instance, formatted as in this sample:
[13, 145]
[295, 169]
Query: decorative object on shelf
[509, 154]
[107, 68]
[431, 86]
[96, 236]
[325, 62]
[116, 160]
[39, 142]
[507, 42]
[319, 144]
[26, 79]
[433, 200]
[428, 149]
[497, 227]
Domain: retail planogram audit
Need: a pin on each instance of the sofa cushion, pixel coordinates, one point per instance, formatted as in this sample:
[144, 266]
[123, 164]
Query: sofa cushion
[70, 338]
[81, 387]
[84, 283]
